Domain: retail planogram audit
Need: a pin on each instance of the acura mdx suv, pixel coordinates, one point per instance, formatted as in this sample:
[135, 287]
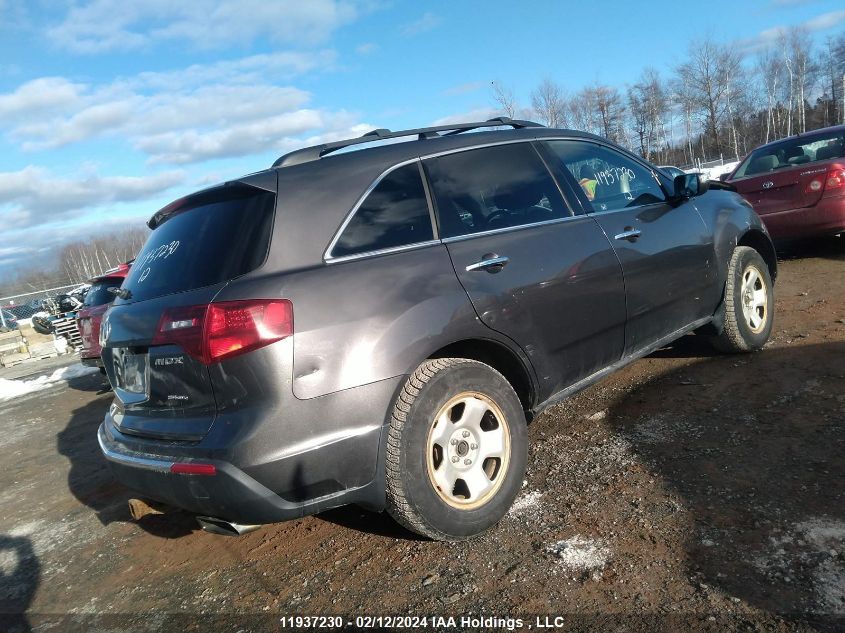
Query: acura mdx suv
[378, 326]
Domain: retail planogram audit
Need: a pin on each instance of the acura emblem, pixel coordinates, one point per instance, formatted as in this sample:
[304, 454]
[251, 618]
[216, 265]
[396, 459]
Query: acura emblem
[768, 184]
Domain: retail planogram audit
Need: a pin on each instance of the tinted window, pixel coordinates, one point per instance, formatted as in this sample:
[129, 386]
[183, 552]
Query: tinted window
[793, 152]
[609, 179]
[493, 188]
[213, 237]
[394, 214]
[98, 294]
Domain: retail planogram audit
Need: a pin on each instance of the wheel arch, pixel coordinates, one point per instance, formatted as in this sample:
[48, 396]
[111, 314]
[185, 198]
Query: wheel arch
[501, 358]
[761, 243]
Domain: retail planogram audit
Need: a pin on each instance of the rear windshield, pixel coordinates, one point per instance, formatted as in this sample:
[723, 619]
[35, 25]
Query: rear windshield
[98, 294]
[793, 152]
[214, 238]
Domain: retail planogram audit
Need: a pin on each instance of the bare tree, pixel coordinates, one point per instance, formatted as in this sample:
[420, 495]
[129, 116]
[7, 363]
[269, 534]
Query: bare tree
[504, 99]
[682, 97]
[86, 259]
[583, 112]
[610, 108]
[708, 75]
[648, 105]
[770, 69]
[549, 104]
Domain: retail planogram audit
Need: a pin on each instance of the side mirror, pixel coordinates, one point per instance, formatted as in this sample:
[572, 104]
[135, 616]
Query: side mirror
[686, 186]
[724, 177]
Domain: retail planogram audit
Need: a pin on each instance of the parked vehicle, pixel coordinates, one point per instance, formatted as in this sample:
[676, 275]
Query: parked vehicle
[797, 184]
[61, 307]
[98, 298]
[8, 321]
[378, 326]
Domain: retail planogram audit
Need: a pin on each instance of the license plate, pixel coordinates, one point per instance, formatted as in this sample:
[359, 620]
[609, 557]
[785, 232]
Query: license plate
[131, 371]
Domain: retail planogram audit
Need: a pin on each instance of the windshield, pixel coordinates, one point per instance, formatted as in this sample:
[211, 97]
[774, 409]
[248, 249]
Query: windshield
[218, 236]
[793, 152]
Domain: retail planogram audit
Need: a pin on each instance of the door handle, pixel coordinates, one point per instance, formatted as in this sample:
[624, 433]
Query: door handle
[492, 263]
[630, 234]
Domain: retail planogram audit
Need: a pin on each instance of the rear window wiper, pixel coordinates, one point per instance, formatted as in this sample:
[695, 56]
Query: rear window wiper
[123, 293]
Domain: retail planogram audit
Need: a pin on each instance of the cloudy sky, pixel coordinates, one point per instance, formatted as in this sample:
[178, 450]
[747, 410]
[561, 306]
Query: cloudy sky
[110, 109]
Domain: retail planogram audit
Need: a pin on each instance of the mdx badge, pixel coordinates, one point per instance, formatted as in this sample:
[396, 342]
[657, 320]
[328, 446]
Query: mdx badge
[169, 360]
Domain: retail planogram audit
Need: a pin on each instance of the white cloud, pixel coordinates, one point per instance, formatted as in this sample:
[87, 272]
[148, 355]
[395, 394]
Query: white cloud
[770, 36]
[252, 137]
[825, 21]
[105, 25]
[39, 97]
[478, 114]
[228, 108]
[463, 89]
[252, 69]
[367, 48]
[33, 194]
[426, 23]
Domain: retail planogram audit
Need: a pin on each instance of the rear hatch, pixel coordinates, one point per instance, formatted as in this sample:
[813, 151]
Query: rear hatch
[789, 174]
[198, 244]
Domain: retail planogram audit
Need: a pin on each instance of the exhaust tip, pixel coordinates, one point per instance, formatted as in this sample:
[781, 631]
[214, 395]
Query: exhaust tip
[223, 527]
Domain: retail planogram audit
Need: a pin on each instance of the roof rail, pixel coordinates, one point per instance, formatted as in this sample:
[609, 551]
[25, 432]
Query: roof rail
[307, 154]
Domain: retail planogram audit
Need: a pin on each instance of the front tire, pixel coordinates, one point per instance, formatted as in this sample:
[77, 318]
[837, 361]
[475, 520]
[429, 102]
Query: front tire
[456, 449]
[748, 304]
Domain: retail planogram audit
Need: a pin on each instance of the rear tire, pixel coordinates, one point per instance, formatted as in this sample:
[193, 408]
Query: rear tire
[748, 304]
[456, 449]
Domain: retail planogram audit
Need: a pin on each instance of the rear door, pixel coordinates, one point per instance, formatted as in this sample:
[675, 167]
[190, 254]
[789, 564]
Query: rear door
[164, 391]
[534, 270]
[665, 249]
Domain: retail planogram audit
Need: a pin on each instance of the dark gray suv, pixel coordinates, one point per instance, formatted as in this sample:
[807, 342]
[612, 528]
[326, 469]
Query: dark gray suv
[378, 326]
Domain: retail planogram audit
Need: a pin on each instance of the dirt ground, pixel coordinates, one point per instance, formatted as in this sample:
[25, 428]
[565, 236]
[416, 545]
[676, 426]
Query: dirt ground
[687, 491]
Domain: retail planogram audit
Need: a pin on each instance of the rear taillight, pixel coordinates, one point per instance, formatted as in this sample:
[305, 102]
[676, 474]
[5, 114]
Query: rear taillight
[835, 179]
[814, 186]
[213, 332]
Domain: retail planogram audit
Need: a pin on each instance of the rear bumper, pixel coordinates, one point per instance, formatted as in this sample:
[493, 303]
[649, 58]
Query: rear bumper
[264, 472]
[92, 361]
[229, 494]
[827, 217]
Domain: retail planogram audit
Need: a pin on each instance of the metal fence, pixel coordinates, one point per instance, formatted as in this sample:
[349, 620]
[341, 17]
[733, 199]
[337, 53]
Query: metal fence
[701, 165]
[16, 308]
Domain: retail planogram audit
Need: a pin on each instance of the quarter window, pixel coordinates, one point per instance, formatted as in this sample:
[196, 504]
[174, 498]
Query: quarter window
[608, 179]
[395, 213]
[493, 188]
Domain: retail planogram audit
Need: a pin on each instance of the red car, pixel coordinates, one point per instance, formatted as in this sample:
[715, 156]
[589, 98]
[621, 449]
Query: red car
[797, 184]
[97, 301]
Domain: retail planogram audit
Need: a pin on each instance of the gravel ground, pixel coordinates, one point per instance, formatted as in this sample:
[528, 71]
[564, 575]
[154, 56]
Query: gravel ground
[687, 491]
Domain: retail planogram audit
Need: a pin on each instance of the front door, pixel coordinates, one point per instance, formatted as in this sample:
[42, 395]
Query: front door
[665, 249]
[534, 270]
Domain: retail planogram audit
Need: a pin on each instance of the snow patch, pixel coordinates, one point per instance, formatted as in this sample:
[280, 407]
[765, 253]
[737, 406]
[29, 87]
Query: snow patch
[16, 388]
[529, 503]
[815, 546]
[579, 553]
[660, 429]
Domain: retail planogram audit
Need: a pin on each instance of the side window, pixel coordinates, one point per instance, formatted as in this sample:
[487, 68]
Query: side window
[394, 214]
[610, 180]
[493, 188]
